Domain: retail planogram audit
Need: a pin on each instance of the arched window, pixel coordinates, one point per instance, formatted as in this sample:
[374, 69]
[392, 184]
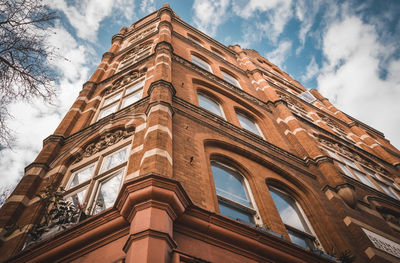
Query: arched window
[234, 196]
[209, 104]
[195, 40]
[94, 185]
[201, 63]
[249, 124]
[293, 218]
[216, 52]
[231, 79]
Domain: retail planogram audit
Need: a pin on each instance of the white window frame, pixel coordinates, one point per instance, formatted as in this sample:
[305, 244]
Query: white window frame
[246, 186]
[91, 186]
[231, 79]
[195, 40]
[255, 123]
[376, 179]
[119, 103]
[201, 63]
[211, 99]
[317, 243]
[214, 51]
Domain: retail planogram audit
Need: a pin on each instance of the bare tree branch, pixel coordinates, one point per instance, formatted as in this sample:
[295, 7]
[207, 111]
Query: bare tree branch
[24, 69]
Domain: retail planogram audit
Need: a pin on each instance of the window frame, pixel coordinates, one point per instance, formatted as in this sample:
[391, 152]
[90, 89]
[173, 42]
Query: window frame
[231, 79]
[376, 179]
[260, 133]
[199, 63]
[92, 185]
[212, 100]
[235, 205]
[195, 40]
[120, 101]
[311, 235]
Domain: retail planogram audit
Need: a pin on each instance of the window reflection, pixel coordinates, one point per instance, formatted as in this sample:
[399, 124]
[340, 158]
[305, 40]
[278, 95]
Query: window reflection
[292, 216]
[233, 198]
[209, 104]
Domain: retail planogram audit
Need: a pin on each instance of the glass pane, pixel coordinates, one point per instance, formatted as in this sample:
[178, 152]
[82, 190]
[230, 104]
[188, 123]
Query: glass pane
[108, 111]
[112, 99]
[364, 179]
[231, 79]
[108, 192]
[235, 213]
[332, 154]
[201, 63]
[288, 210]
[82, 175]
[218, 54]
[131, 98]
[134, 88]
[346, 170]
[300, 240]
[114, 159]
[78, 199]
[370, 172]
[229, 186]
[209, 105]
[349, 163]
[248, 124]
[386, 189]
[195, 40]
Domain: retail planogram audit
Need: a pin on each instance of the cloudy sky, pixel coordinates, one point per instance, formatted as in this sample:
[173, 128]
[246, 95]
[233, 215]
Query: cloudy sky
[348, 50]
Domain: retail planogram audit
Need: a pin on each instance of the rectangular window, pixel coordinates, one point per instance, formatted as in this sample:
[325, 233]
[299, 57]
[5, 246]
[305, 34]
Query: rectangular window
[123, 98]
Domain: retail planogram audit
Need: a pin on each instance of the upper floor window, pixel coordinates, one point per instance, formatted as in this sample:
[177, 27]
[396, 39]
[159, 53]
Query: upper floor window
[293, 217]
[135, 55]
[195, 40]
[365, 175]
[94, 186]
[201, 63]
[209, 104]
[216, 52]
[120, 99]
[249, 124]
[234, 196]
[231, 79]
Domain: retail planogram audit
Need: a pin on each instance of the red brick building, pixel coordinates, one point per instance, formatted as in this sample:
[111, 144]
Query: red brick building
[180, 149]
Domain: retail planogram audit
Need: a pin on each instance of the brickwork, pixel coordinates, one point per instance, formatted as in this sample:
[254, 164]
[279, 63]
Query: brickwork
[339, 175]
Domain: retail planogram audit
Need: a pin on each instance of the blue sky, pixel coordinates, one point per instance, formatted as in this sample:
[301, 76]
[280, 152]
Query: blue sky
[348, 50]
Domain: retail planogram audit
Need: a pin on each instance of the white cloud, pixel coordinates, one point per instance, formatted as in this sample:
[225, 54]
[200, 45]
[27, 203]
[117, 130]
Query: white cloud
[209, 14]
[85, 16]
[350, 76]
[275, 15]
[147, 6]
[306, 12]
[312, 70]
[279, 55]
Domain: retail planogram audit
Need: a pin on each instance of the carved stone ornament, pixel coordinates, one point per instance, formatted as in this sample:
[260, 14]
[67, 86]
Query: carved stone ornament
[126, 79]
[142, 34]
[347, 152]
[291, 103]
[389, 215]
[346, 192]
[106, 140]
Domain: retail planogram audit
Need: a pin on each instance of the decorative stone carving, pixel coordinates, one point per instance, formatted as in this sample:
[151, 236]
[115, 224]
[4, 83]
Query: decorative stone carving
[346, 192]
[142, 34]
[126, 79]
[347, 152]
[135, 54]
[106, 140]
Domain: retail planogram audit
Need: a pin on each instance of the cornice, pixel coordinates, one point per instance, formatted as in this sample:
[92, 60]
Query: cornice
[252, 242]
[54, 138]
[209, 53]
[184, 24]
[251, 136]
[161, 83]
[227, 85]
[36, 165]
